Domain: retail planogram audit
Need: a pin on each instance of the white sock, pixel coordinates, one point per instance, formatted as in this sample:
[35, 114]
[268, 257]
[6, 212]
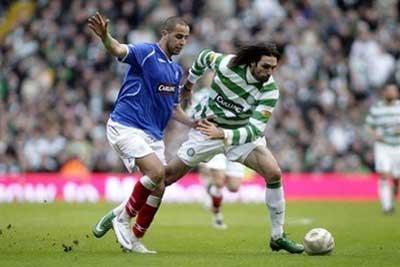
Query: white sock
[275, 201]
[118, 209]
[148, 183]
[385, 194]
[124, 216]
[120, 212]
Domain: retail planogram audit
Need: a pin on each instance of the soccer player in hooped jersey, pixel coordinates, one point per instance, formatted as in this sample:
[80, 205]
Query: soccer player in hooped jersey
[384, 122]
[241, 102]
[148, 97]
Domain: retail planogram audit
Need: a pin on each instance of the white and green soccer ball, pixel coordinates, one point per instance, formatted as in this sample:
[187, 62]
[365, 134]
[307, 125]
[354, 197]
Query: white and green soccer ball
[318, 241]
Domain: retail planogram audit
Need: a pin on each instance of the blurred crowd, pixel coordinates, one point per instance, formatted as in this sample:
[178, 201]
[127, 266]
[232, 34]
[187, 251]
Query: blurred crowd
[58, 85]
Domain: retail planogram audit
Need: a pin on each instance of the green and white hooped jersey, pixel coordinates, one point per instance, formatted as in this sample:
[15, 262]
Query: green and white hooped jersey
[239, 103]
[385, 119]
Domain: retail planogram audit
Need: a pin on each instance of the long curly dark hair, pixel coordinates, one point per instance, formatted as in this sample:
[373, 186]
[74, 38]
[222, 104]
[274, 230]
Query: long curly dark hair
[253, 53]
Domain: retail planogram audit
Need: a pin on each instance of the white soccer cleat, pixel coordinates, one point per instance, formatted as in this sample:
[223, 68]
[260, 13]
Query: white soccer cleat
[138, 247]
[218, 222]
[122, 232]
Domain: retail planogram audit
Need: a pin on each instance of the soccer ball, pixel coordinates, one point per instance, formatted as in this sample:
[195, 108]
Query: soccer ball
[318, 241]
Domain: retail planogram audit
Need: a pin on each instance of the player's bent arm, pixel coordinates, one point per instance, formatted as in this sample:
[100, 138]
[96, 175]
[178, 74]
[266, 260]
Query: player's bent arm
[114, 47]
[179, 115]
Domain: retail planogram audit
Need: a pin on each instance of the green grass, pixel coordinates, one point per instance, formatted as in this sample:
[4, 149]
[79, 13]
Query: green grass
[183, 237]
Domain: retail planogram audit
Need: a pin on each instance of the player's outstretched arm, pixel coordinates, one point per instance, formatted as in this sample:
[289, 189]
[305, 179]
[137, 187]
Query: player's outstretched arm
[99, 26]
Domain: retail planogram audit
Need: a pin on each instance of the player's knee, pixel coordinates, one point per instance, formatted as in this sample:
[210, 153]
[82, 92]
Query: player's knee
[274, 175]
[157, 174]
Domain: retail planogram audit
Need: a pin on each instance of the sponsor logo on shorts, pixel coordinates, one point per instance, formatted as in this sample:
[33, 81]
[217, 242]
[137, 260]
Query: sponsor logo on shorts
[190, 152]
[228, 104]
[166, 89]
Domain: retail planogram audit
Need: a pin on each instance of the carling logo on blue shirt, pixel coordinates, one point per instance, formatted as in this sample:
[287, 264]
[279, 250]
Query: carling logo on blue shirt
[166, 89]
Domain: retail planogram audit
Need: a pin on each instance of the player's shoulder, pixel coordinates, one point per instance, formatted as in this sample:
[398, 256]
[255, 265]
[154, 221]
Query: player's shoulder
[145, 47]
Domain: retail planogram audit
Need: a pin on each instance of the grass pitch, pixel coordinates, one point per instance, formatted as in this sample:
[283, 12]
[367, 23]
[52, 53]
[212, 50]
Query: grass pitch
[56, 234]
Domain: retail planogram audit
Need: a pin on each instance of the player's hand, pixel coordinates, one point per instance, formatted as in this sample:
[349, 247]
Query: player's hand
[210, 130]
[98, 25]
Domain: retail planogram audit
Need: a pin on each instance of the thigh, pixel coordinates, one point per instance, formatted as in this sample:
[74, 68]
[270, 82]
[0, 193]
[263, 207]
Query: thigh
[263, 162]
[151, 166]
[175, 170]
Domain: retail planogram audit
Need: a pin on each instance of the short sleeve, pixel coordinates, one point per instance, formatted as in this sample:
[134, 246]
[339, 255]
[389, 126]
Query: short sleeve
[137, 55]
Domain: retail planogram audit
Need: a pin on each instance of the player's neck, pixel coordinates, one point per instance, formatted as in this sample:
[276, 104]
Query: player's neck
[164, 48]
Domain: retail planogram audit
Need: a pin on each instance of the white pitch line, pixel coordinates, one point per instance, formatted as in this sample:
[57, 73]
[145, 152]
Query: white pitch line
[299, 221]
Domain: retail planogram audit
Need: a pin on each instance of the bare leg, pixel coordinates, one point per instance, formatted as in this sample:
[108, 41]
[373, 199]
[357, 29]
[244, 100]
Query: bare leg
[175, 170]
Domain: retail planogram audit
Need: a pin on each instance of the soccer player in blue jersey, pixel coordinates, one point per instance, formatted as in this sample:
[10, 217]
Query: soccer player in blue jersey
[148, 97]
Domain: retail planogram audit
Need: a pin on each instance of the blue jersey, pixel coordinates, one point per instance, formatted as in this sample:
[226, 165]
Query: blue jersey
[149, 91]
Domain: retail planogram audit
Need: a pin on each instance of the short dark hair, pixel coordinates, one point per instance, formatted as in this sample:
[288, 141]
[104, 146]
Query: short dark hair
[170, 23]
[253, 53]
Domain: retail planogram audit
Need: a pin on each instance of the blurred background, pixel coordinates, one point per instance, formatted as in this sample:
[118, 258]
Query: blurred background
[58, 85]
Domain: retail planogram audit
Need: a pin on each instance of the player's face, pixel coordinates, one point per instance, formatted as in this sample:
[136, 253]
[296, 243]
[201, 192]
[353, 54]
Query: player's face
[264, 68]
[391, 92]
[177, 39]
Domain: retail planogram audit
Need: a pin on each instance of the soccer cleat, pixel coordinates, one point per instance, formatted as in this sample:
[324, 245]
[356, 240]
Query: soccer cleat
[218, 222]
[138, 247]
[389, 211]
[285, 244]
[123, 233]
[102, 226]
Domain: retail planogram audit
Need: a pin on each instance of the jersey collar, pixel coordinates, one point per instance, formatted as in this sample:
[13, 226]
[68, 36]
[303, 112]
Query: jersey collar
[162, 51]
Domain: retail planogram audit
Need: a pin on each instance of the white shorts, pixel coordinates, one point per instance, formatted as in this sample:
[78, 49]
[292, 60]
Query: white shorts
[198, 148]
[231, 168]
[387, 159]
[131, 143]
